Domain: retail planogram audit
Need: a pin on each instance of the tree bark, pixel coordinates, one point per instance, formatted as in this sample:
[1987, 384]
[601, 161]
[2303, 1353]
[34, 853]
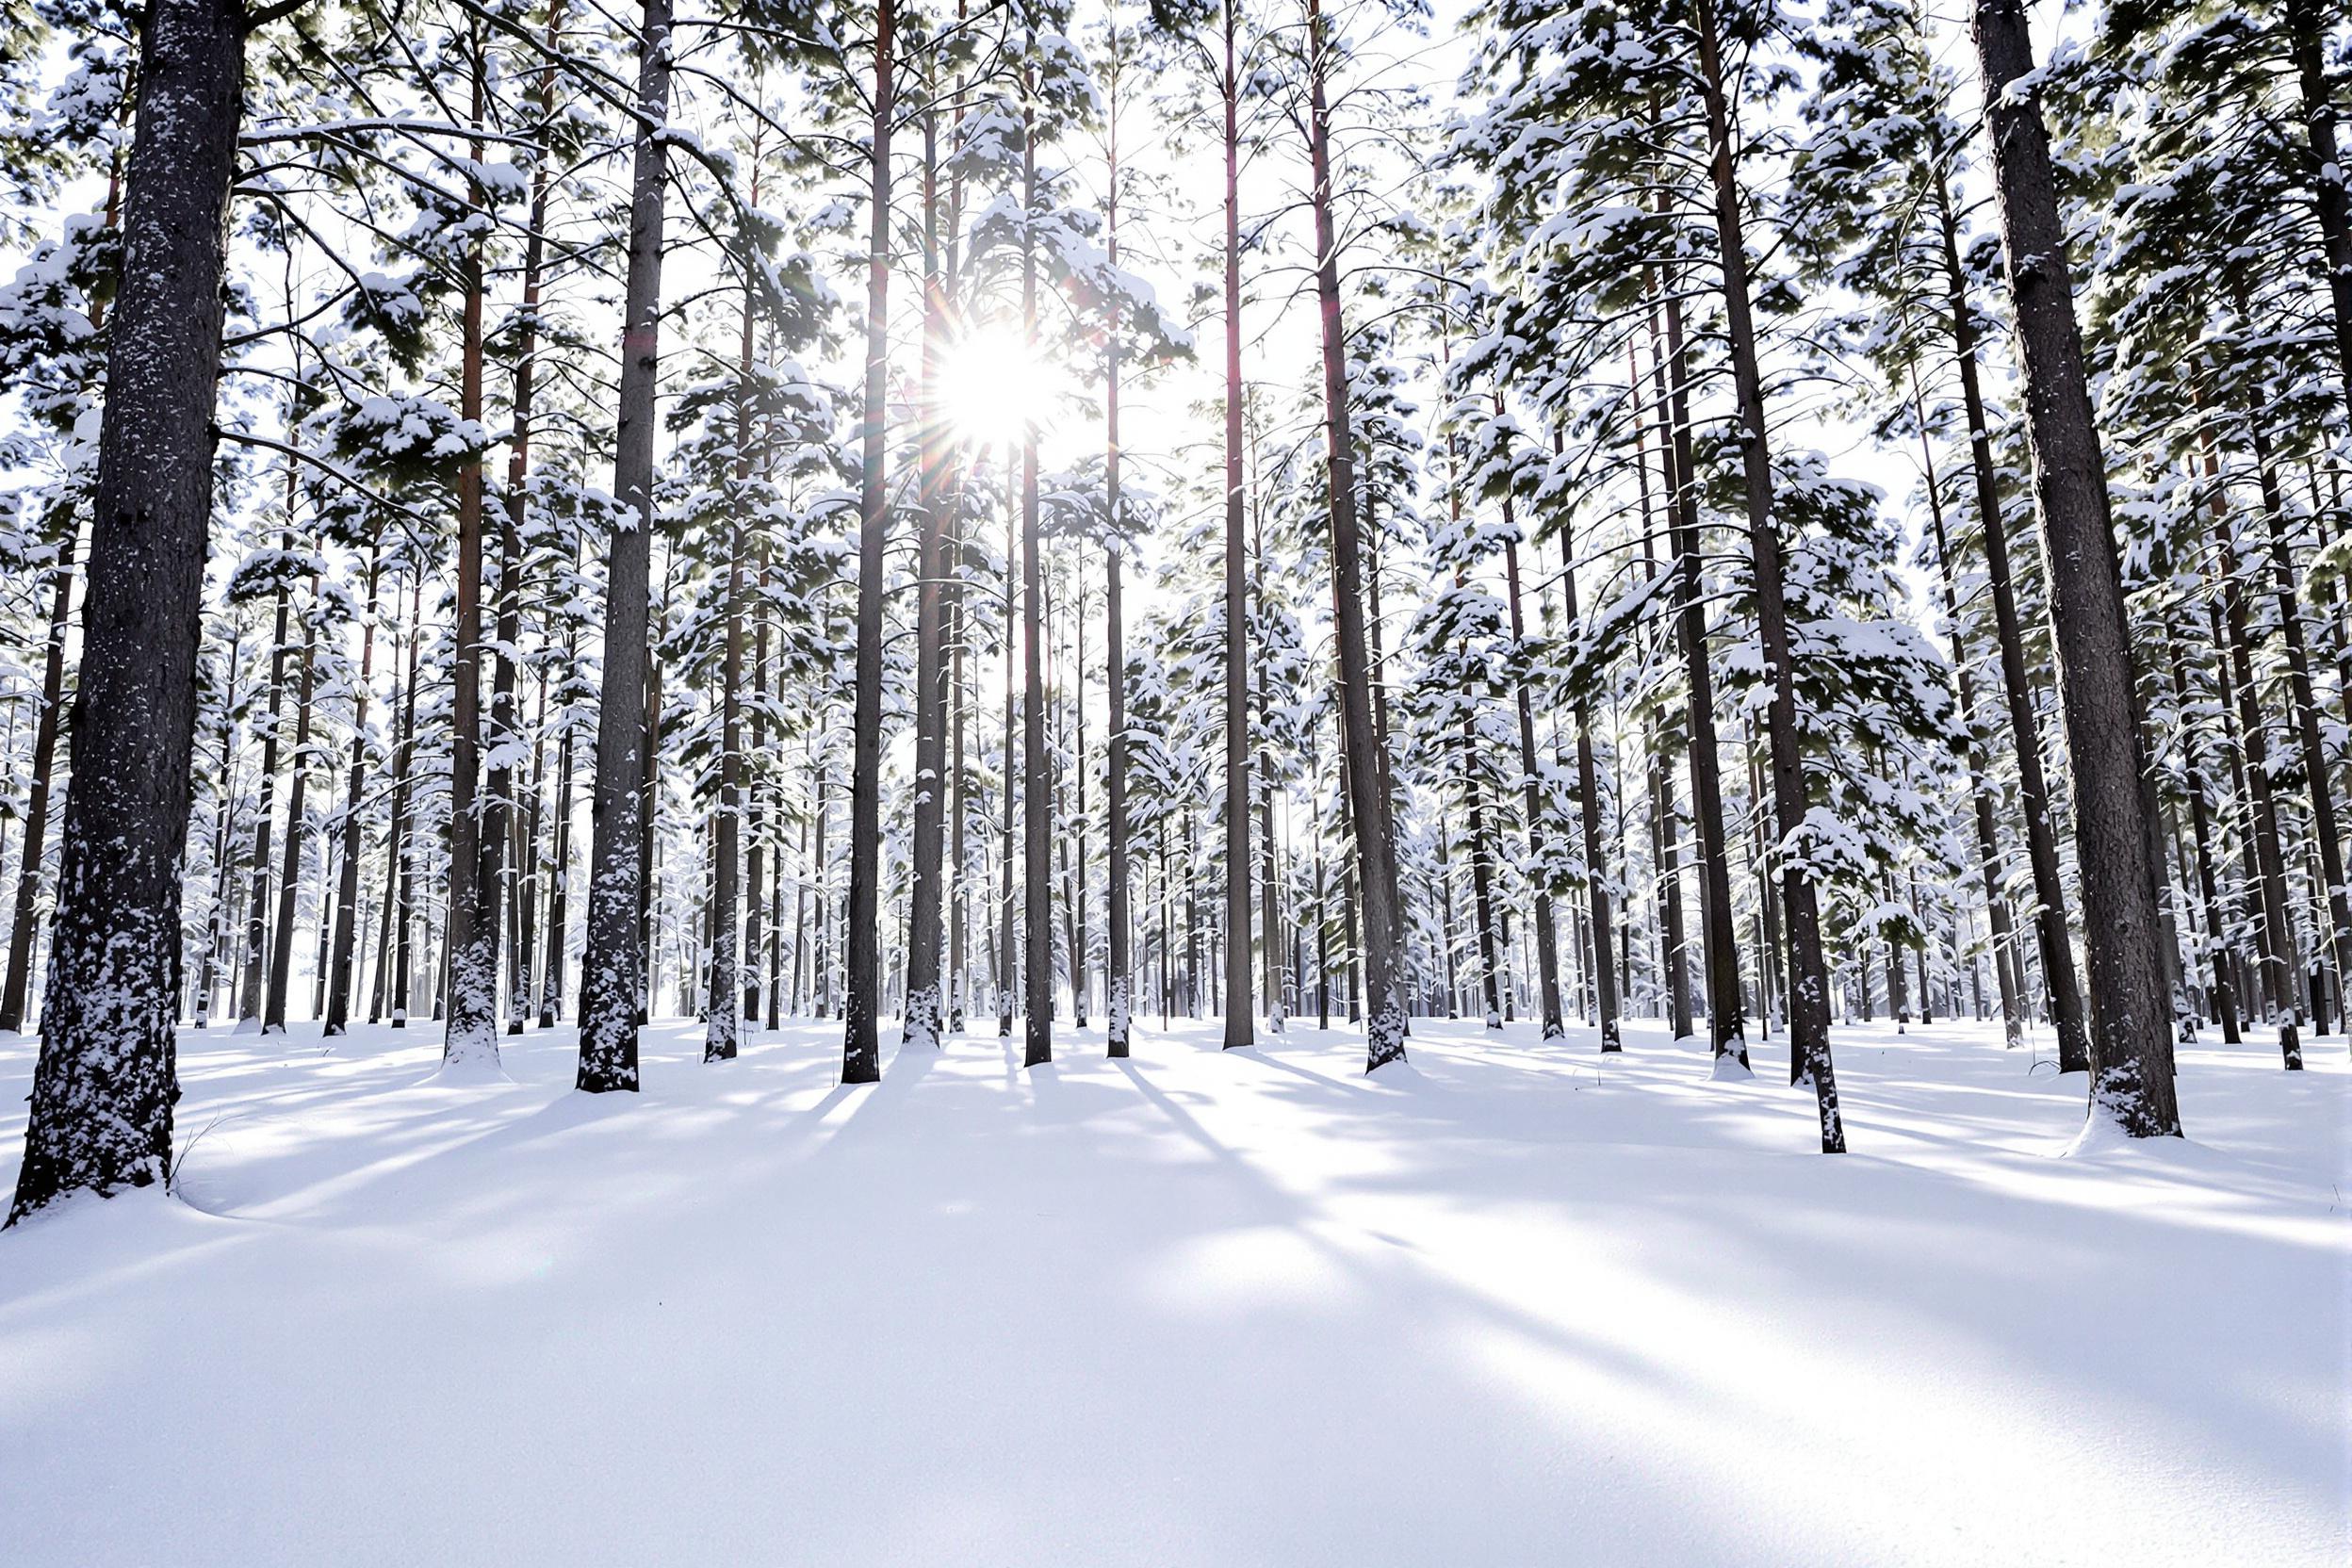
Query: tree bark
[1238, 1022]
[1114, 745]
[1531, 789]
[1980, 789]
[1376, 871]
[1589, 811]
[1036, 796]
[105, 1082]
[289, 873]
[2131, 1036]
[1808, 980]
[612, 963]
[26, 916]
[861, 1058]
[2041, 842]
[477, 829]
[1718, 944]
[352, 828]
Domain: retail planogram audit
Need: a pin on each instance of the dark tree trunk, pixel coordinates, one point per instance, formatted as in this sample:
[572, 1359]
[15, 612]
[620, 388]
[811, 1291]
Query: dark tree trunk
[925, 1009]
[399, 878]
[1036, 796]
[559, 880]
[216, 921]
[290, 870]
[1005, 950]
[1719, 944]
[2131, 1036]
[722, 1015]
[2041, 840]
[105, 1082]
[13, 997]
[861, 1057]
[2222, 1004]
[611, 962]
[1481, 878]
[1980, 790]
[1531, 789]
[1376, 871]
[340, 958]
[1665, 824]
[254, 956]
[1115, 659]
[2281, 950]
[1238, 863]
[1809, 979]
[477, 828]
[1589, 811]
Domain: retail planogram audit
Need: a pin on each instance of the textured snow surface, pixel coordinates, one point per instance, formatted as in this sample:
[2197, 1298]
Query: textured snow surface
[1515, 1306]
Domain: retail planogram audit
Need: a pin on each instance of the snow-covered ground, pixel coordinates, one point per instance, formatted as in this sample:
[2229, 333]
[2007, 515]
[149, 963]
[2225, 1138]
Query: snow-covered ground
[1512, 1305]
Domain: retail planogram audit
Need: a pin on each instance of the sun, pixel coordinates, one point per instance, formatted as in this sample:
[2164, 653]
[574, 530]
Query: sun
[992, 387]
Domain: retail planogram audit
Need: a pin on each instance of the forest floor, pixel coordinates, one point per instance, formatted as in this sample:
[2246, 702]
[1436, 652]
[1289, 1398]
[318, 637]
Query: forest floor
[1514, 1304]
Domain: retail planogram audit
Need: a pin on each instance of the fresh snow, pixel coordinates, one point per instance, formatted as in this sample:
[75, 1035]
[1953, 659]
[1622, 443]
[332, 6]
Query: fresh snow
[1516, 1304]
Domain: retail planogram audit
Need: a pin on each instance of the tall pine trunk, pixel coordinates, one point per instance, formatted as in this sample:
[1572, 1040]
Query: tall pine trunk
[861, 1057]
[610, 964]
[2130, 1034]
[105, 1081]
[1980, 787]
[1589, 813]
[1115, 657]
[1808, 978]
[20, 929]
[1375, 868]
[477, 839]
[1531, 788]
[289, 873]
[1718, 943]
[924, 1010]
[2041, 836]
[1238, 865]
[1037, 798]
[340, 961]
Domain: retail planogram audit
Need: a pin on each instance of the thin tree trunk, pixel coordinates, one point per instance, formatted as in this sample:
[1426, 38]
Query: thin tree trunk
[1037, 815]
[925, 1009]
[290, 875]
[2223, 1001]
[611, 963]
[1589, 810]
[1719, 944]
[1980, 789]
[254, 956]
[1238, 863]
[340, 961]
[861, 1058]
[1116, 659]
[477, 827]
[2041, 842]
[1386, 1031]
[1808, 981]
[722, 1015]
[14, 997]
[1004, 951]
[1531, 789]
